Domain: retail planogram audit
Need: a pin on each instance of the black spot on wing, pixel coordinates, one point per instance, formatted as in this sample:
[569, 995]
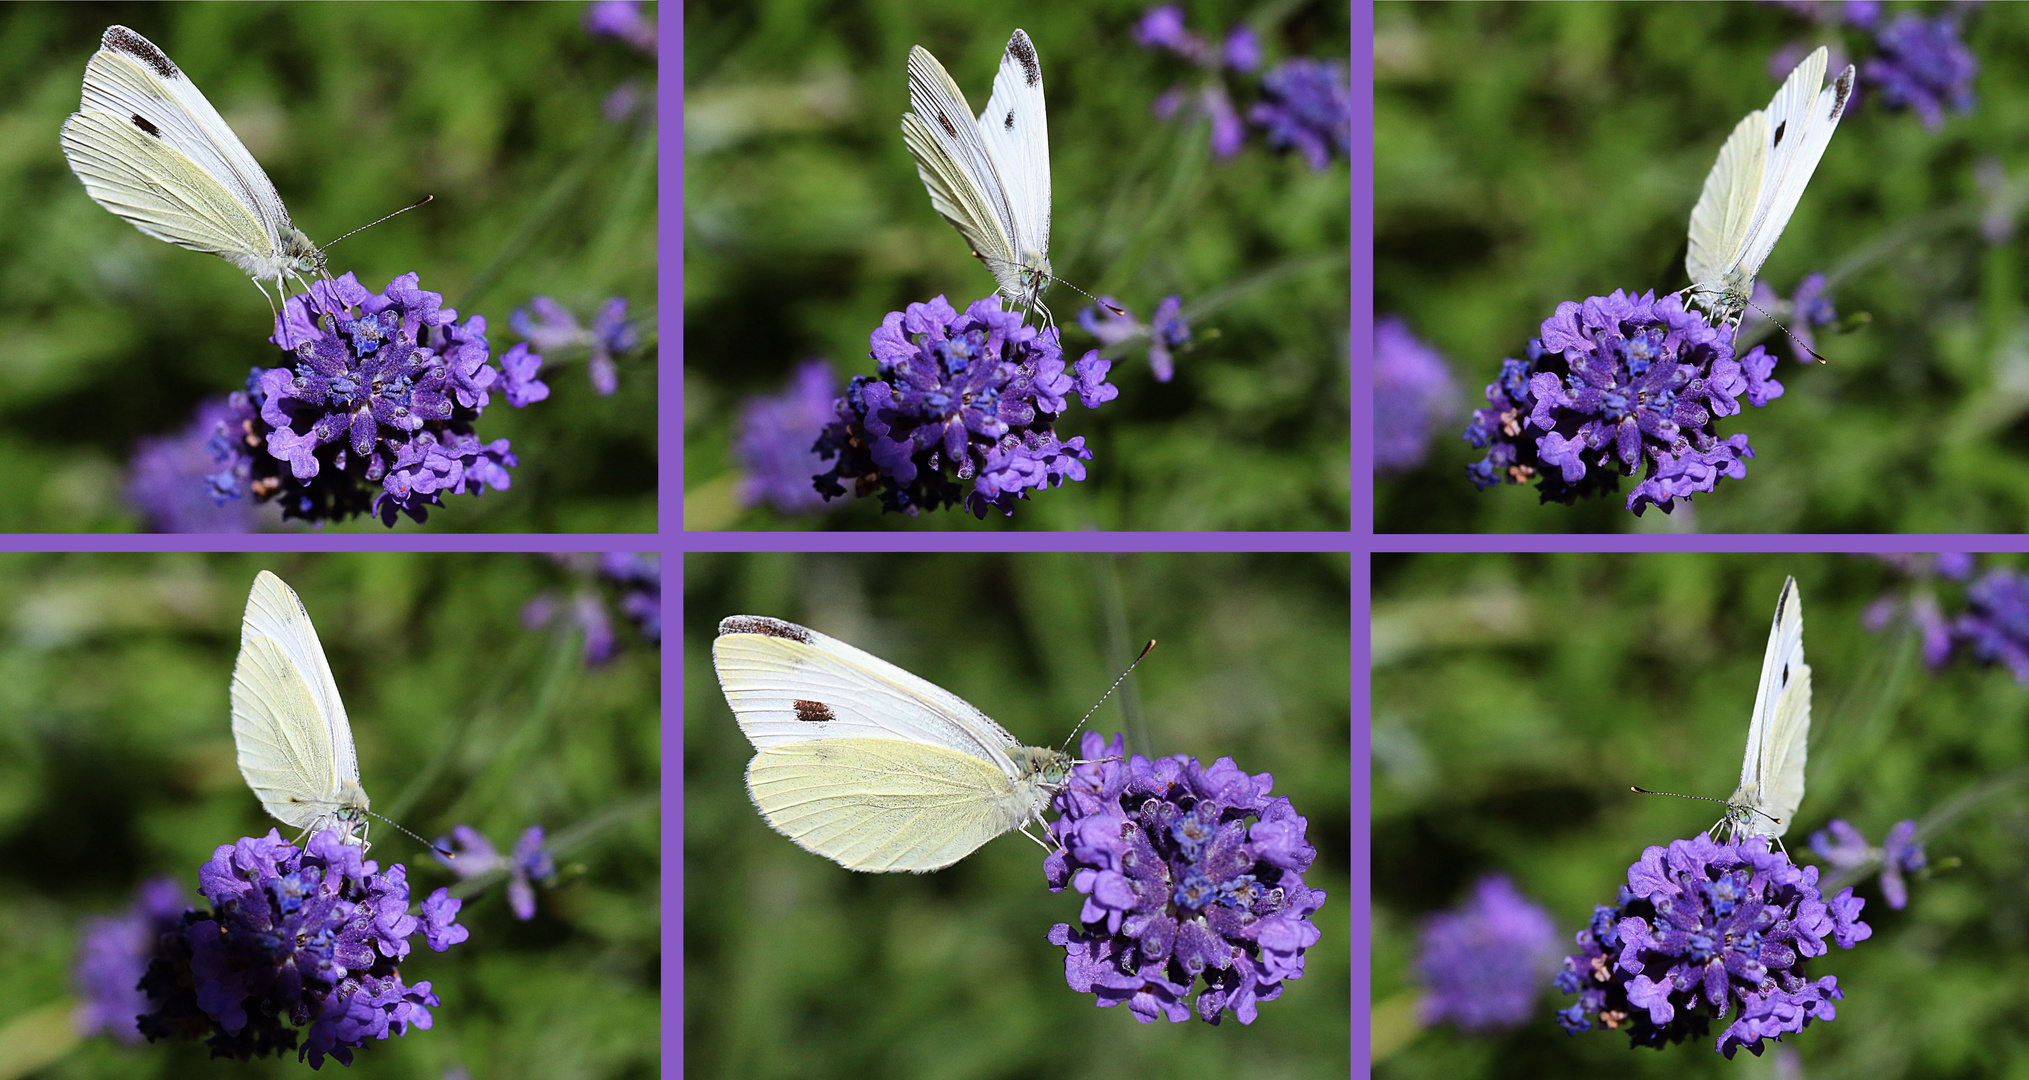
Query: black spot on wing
[945, 121]
[122, 40]
[142, 123]
[1780, 130]
[814, 712]
[1009, 122]
[756, 624]
[1841, 90]
[1025, 55]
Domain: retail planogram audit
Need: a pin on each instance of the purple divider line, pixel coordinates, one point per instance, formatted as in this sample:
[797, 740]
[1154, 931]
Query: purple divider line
[1362, 317]
[1700, 543]
[149, 543]
[1361, 793]
[830, 542]
[1360, 789]
[669, 515]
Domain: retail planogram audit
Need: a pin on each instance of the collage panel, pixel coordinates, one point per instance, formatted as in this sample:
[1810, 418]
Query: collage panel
[1017, 266]
[1825, 909]
[493, 333]
[1699, 267]
[1195, 867]
[392, 814]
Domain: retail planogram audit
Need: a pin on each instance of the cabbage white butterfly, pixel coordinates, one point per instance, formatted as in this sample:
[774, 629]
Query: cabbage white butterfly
[990, 179]
[295, 746]
[1778, 736]
[151, 149]
[1754, 186]
[868, 765]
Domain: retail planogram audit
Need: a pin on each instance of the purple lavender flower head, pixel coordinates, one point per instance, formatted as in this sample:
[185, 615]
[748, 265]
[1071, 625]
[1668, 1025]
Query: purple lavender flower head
[1845, 848]
[622, 21]
[1307, 106]
[1243, 48]
[1179, 884]
[550, 328]
[299, 943]
[1616, 385]
[474, 856]
[170, 479]
[1996, 627]
[375, 414]
[1413, 393]
[776, 443]
[1163, 28]
[1169, 330]
[639, 575]
[1703, 931]
[1483, 965]
[112, 955]
[1922, 66]
[1918, 602]
[959, 400]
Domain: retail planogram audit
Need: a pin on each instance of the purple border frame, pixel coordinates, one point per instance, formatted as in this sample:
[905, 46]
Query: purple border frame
[669, 517]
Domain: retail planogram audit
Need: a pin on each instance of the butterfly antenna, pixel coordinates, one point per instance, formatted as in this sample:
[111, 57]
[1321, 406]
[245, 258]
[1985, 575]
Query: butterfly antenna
[1145, 650]
[1058, 280]
[1688, 290]
[419, 202]
[1706, 798]
[398, 828]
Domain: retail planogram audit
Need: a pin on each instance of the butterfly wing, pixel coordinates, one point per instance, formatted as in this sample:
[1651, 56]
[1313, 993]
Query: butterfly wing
[1772, 773]
[150, 148]
[958, 171]
[1725, 208]
[1017, 137]
[289, 726]
[1801, 120]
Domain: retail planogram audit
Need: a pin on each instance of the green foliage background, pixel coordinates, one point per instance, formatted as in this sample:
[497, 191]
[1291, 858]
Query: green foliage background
[805, 224]
[797, 967]
[1515, 698]
[354, 110]
[117, 765]
[1527, 154]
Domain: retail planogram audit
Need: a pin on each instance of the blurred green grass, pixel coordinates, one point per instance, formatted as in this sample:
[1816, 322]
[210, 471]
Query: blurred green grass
[354, 110]
[1562, 162]
[1515, 698]
[117, 765]
[796, 967]
[805, 223]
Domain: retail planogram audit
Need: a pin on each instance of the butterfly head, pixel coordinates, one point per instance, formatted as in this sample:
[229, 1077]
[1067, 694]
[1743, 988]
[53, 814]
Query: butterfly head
[304, 257]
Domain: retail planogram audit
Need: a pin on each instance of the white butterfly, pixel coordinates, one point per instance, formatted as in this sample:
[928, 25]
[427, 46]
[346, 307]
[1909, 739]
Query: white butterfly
[1754, 186]
[295, 746]
[991, 178]
[1772, 776]
[868, 765]
[151, 149]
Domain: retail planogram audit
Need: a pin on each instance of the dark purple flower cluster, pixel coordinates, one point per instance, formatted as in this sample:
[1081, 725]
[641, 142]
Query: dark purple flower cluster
[1705, 930]
[959, 398]
[1163, 28]
[639, 577]
[622, 21]
[1919, 603]
[171, 479]
[474, 855]
[1995, 628]
[1483, 965]
[1166, 332]
[552, 329]
[776, 441]
[1846, 848]
[112, 955]
[1922, 65]
[295, 939]
[1413, 393]
[1179, 884]
[375, 415]
[1613, 386]
[1307, 106]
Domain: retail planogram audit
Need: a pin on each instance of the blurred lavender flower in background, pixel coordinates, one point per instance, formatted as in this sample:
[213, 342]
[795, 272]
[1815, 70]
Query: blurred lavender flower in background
[1177, 884]
[775, 445]
[1996, 629]
[552, 329]
[1918, 602]
[1701, 929]
[113, 953]
[1307, 105]
[1167, 331]
[1486, 963]
[621, 20]
[1163, 28]
[385, 398]
[473, 855]
[296, 938]
[1922, 66]
[959, 397]
[1413, 393]
[639, 578]
[1807, 308]
[1845, 848]
[170, 479]
[1619, 384]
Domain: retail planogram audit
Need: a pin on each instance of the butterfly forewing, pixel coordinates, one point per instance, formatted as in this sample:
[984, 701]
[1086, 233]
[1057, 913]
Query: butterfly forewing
[1772, 771]
[949, 153]
[1791, 166]
[881, 805]
[1016, 133]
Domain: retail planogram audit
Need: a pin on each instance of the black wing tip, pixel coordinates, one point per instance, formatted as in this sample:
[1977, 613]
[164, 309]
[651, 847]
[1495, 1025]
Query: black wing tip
[119, 39]
[1024, 51]
[1842, 90]
[764, 626]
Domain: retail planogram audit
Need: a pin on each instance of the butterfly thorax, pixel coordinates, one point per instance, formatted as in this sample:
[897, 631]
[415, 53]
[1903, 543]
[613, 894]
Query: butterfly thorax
[1035, 762]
